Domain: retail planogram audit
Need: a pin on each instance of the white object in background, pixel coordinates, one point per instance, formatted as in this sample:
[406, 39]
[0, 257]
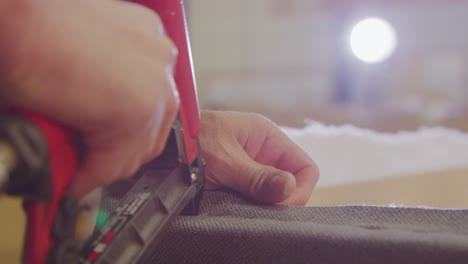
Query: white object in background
[373, 40]
[347, 154]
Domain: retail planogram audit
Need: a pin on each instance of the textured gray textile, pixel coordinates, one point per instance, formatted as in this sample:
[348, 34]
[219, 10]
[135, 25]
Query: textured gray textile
[229, 229]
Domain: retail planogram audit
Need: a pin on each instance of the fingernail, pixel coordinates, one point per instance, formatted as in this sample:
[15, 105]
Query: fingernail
[279, 185]
[289, 184]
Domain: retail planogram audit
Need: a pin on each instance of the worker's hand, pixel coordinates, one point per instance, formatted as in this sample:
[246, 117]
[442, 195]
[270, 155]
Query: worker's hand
[250, 154]
[103, 68]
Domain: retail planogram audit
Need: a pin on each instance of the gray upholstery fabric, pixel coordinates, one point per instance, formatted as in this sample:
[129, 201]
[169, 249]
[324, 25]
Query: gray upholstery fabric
[230, 229]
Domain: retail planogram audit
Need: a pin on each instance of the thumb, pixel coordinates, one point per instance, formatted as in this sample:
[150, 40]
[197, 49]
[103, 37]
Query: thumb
[263, 183]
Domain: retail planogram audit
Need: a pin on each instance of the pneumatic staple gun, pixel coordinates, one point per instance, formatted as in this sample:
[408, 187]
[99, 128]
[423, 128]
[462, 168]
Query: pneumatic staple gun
[40, 158]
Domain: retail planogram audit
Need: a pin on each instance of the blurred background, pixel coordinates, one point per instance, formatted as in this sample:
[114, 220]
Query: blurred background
[385, 65]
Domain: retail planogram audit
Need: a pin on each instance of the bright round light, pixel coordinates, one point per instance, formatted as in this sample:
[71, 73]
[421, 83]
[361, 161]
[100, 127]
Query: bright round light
[373, 40]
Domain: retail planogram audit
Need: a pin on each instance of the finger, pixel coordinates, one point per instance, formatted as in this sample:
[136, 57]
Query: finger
[304, 169]
[259, 182]
[161, 139]
[304, 186]
[290, 157]
[267, 184]
[168, 118]
[100, 168]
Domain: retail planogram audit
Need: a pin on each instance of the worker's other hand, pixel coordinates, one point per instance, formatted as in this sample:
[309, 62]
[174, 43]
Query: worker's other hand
[103, 68]
[250, 154]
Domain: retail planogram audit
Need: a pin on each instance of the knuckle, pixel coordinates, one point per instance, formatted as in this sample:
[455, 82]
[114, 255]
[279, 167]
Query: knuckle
[171, 93]
[142, 112]
[172, 104]
[156, 20]
[174, 50]
[162, 48]
[170, 50]
[161, 97]
[141, 13]
[151, 17]
[257, 177]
